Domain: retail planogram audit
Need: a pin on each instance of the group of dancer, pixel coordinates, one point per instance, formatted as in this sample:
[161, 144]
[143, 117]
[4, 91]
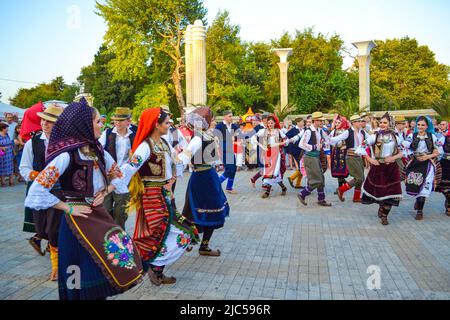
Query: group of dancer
[420, 159]
[72, 175]
[82, 184]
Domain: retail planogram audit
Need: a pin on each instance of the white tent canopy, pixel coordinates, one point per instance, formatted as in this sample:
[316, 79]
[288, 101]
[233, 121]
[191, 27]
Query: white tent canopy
[6, 108]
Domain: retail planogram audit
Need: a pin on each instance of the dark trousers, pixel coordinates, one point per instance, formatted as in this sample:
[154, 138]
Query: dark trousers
[47, 224]
[116, 205]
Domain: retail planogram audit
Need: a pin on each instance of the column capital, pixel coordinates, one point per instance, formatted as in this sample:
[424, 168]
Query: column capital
[283, 53]
[198, 31]
[364, 47]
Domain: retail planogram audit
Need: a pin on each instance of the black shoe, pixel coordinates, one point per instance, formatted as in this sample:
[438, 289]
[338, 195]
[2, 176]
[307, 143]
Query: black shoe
[302, 200]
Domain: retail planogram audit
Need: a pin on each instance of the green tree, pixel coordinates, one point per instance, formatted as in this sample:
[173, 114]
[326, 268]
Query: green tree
[57, 89]
[140, 30]
[108, 93]
[405, 75]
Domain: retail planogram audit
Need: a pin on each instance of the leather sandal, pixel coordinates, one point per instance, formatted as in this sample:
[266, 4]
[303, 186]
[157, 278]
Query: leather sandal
[302, 200]
[167, 280]
[154, 277]
[323, 203]
[209, 252]
[340, 195]
[33, 241]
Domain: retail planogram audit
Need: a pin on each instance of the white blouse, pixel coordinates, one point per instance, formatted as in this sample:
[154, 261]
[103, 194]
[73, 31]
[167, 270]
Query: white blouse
[140, 156]
[388, 146]
[39, 196]
[422, 146]
[272, 139]
[26, 164]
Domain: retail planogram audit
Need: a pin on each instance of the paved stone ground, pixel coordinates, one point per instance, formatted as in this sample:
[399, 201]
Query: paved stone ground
[273, 249]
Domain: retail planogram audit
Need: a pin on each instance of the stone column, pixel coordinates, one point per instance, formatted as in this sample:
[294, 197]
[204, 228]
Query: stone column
[364, 59]
[188, 64]
[283, 65]
[198, 36]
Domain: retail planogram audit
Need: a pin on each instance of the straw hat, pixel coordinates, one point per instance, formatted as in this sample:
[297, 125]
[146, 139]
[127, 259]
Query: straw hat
[317, 116]
[121, 114]
[51, 113]
[400, 119]
[355, 118]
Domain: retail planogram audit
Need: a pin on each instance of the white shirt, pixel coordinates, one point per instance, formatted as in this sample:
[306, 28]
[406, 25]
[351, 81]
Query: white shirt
[228, 126]
[169, 137]
[358, 134]
[123, 145]
[388, 147]
[26, 164]
[307, 135]
[39, 196]
[422, 146]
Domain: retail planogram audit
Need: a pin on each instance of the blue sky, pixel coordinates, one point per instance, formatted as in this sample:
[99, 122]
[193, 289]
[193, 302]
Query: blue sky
[42, 39]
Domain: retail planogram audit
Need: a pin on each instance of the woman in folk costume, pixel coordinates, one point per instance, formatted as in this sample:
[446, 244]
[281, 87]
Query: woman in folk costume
[206, 203]
[339, 168]
[161, 234]
[383, 184]
[274, 160]
[444, 185]
[97, 259]
[423, 171]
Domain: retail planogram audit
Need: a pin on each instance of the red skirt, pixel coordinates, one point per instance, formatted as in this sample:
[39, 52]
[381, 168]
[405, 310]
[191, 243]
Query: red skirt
[383, 185]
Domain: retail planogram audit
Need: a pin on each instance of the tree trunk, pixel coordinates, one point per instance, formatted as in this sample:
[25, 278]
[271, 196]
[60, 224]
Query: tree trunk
[176, 78]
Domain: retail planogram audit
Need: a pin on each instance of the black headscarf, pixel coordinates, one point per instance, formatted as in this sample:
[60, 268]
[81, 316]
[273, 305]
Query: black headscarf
[73, 130]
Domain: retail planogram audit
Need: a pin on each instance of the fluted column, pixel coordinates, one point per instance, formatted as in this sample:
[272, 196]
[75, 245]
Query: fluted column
[198, 36]
[364, 59]
[188, 64]
[283, 65]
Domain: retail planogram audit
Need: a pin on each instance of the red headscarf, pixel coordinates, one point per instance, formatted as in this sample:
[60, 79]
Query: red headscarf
[344, 122]
[146, 125]
[277, 122]
[31, 121]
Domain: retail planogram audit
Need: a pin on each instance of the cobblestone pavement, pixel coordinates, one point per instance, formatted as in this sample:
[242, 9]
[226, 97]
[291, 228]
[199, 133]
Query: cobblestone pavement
[273, 249]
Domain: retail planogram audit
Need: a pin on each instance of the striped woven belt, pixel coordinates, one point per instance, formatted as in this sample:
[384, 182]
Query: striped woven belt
[351, 153]
[201, 168]
[155, 183]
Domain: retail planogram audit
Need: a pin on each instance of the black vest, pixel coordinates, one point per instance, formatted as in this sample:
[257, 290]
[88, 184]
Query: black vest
[38, 149]
[78, 180]
[202, 157]
[154, 169]
[313, 139]
[350, 141]
[428, 141]
[447, 144]
[110, 144]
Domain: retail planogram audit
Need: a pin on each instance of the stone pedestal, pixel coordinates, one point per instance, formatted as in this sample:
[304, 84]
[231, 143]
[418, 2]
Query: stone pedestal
[283, 65]
[364, 59]
[198, 37]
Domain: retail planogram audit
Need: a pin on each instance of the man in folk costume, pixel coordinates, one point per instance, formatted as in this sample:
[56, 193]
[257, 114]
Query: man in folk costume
[161, 233]
[31, 126]
[272, 141]
[383, 184]
[227, 131]
[444, 186]
[46, 222]
[297, 153]
[117, 141]
[400, 122]
[311, 143]
[206, 203]
[423, 171]
[339, 168]
[352, 138]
